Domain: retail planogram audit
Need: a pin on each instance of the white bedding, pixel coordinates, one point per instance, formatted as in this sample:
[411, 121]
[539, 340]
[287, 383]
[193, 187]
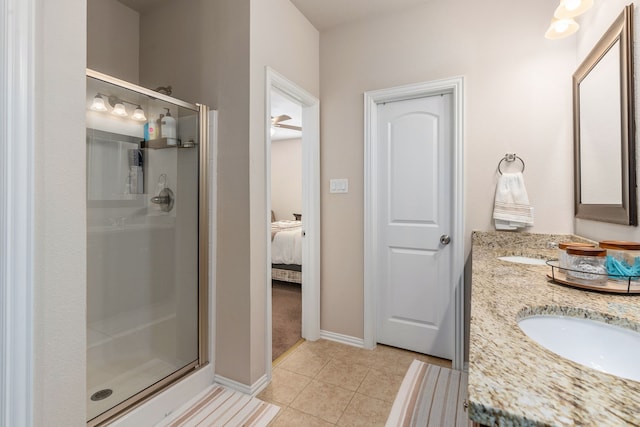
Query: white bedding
[286, 245]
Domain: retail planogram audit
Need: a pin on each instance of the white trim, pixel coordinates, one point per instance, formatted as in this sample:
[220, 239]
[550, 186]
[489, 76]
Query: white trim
[17, 51]
[213, 203]
[343, 339]
[455, 86]
[251, 390]
[310, 206]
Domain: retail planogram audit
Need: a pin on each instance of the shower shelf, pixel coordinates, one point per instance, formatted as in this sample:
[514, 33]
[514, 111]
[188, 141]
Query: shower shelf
[160, 143]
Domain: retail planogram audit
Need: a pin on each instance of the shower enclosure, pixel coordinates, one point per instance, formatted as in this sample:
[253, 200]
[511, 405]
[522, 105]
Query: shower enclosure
[147, 230]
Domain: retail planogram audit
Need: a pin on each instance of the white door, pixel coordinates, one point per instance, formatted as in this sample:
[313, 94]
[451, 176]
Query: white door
[414, 219]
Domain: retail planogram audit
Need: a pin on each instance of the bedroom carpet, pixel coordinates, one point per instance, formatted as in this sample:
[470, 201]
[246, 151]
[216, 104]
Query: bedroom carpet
[286, 309]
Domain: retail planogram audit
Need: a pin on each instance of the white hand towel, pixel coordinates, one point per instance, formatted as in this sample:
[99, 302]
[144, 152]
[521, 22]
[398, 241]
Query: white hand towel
[511, 209]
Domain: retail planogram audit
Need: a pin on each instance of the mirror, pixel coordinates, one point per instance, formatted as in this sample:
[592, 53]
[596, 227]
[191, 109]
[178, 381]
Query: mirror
[603, 128]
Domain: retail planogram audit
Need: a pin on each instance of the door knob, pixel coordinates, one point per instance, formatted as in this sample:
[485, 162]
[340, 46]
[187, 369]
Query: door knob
[445, 240]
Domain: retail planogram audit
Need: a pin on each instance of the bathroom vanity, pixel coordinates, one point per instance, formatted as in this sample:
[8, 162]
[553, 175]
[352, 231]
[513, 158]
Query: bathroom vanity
[513, 380]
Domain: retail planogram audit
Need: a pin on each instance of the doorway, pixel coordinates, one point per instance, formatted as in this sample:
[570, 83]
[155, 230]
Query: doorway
[308, 219]
[414, 243]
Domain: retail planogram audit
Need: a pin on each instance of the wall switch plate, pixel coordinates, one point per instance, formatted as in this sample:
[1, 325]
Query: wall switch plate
[340, 185]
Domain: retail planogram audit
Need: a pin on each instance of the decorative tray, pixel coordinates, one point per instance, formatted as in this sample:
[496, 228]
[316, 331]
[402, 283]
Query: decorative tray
[629, 285]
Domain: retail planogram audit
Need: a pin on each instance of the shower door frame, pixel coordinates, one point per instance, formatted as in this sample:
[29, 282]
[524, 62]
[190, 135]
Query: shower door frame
[145, 395]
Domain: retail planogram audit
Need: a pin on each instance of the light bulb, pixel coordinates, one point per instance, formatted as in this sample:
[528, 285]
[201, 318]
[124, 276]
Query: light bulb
[98, 103]
[273, 130]
[572, 4]
[572, 8]
[560, 28]
[139, 114]
[119, 109]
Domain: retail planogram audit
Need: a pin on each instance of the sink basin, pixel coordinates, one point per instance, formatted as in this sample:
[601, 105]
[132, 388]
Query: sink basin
[598, 345]
[523, 260]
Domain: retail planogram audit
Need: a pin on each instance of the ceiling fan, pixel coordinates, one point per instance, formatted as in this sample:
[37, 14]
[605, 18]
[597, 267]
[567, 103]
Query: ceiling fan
[275, 122]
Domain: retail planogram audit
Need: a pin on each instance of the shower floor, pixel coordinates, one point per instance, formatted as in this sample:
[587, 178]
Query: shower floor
[125, 379]
[128, 353]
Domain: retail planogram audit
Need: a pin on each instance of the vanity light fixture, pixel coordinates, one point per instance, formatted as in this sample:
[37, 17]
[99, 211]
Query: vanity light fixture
[572, 8]
[561, 28]
[98, 103]
[118, 105]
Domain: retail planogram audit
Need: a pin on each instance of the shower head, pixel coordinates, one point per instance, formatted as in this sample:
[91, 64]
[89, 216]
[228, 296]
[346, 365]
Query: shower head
[163, 89]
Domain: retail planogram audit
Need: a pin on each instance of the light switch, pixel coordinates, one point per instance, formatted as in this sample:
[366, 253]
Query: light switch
[340, 185]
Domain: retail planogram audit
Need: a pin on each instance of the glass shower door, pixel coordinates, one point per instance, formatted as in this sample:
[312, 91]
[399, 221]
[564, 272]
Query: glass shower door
[143, 224]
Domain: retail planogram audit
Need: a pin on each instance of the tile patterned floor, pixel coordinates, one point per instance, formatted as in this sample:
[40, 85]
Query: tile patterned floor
[324, 383]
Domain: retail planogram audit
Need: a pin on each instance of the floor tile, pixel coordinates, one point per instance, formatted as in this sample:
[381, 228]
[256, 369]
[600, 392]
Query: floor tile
[434, 360]
[304, 362]
[364, 411]
[290, 417]
[392, 362]
[284, 387]
[323, 400]
[345, 375]
[381, 385]
[357, 356]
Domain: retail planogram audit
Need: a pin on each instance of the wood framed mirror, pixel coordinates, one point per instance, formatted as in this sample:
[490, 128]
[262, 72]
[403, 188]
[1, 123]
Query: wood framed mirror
[603, 128]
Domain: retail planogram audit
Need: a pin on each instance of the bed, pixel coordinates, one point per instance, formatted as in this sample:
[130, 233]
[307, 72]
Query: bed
[286, 251]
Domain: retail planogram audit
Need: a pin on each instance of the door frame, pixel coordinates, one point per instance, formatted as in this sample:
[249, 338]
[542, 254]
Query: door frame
[310, 206]
[372, 99]
[17, 160]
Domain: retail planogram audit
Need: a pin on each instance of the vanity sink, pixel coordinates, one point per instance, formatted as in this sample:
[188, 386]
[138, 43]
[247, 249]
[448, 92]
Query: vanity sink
[598, 345]
[523, 260]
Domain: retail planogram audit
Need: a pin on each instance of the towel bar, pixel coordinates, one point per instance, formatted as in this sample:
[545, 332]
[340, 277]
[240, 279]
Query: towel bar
[510, 158]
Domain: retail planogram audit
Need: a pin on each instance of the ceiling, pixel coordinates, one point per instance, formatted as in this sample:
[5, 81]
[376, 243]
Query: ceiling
[282, 105]
[323, 14]
[140, 6]
[330, 13]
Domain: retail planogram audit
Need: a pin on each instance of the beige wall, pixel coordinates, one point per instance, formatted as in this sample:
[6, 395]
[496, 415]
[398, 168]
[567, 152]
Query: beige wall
[593, 25]
[181, 45]
[283, 39]
[517, 100]
[113, 33]
[59, 384]
[286, 178]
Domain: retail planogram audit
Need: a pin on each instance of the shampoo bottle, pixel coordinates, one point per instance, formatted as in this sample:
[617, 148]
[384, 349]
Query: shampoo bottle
[168, 128]
[150, 129]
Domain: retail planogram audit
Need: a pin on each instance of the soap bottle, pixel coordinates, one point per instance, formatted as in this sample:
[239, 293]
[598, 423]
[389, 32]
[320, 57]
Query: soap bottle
[168, 128]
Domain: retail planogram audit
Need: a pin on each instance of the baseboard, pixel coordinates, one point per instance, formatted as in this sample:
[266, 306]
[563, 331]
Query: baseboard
[343, 339]
[251, 390]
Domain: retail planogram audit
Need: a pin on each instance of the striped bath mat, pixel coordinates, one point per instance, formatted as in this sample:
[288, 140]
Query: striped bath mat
[219, 406]
[430, 396]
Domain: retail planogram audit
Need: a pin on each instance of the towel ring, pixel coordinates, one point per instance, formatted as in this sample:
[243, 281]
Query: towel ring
[510, 158]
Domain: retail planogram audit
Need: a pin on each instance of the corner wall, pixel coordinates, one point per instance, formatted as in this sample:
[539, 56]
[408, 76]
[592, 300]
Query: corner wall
[201, 49]
[286, 178]
[517, 100]
[59, 382]
[593, 25]
[283, 39]
[113, 39]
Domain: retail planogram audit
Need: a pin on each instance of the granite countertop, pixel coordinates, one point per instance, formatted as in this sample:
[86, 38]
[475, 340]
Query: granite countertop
[513, 381]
